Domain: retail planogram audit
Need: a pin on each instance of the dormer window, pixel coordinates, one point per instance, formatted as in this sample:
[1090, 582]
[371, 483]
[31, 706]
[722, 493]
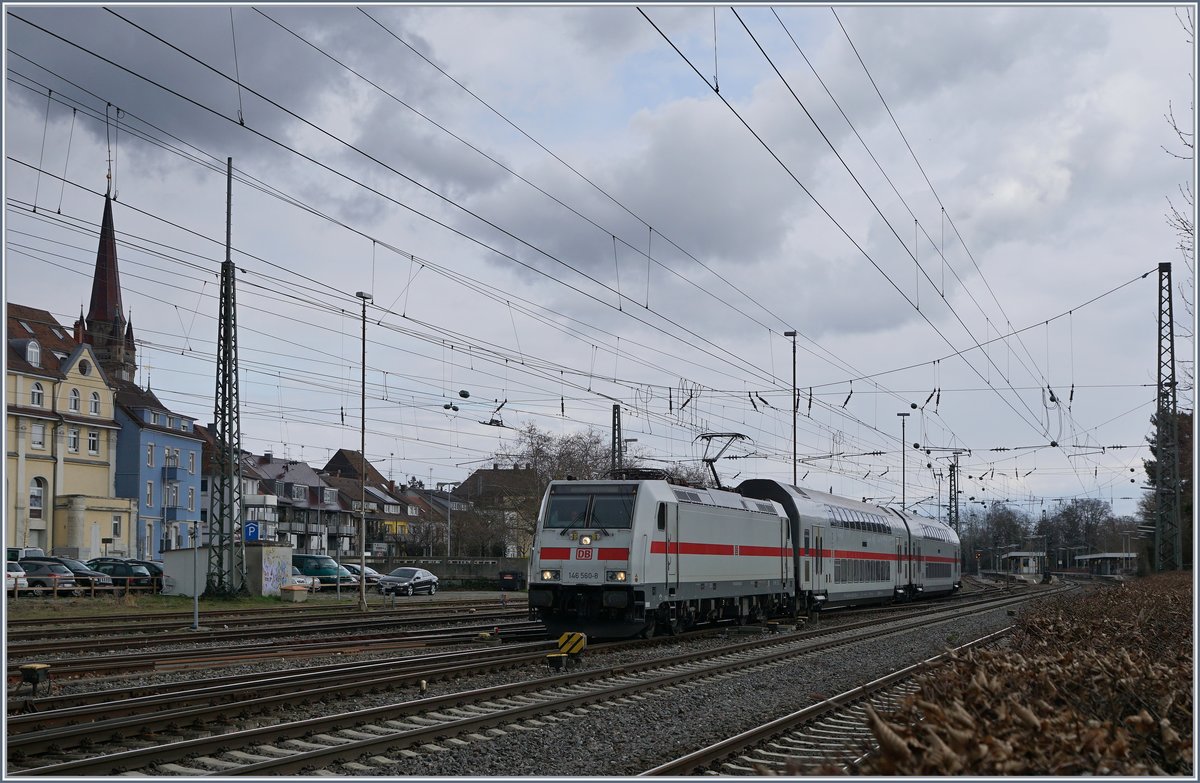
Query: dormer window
[153, 418]
[28, 328]
[58, 333]
[33, 353]
[37, 396]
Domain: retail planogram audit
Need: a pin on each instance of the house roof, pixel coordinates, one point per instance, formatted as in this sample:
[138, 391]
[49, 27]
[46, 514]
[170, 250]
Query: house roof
[349, 463]
[516, 481]
[132, 398]
[29, 323]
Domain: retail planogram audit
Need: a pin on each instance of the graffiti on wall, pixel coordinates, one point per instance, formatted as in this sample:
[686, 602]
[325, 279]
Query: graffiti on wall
[277, 567]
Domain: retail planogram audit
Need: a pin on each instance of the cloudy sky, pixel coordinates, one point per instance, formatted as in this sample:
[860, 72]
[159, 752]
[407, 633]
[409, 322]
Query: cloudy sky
[553, 207]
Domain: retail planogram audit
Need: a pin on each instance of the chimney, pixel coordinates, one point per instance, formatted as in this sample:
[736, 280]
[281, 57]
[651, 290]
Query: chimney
[266, 457]
[391, 486]
[495, 466]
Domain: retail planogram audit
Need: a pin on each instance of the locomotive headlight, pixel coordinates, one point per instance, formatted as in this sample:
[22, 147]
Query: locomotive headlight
[585, 540]
[615, 576]
[550, 576]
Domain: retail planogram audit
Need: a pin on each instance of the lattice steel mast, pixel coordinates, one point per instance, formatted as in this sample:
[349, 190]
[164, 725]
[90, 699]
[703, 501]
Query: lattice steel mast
[227, 549]
[1168, 544]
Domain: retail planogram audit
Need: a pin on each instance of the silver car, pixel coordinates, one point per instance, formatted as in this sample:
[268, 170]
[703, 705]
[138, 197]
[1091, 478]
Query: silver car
[310, 583]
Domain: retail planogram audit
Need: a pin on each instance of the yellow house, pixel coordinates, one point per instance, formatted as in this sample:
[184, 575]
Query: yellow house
[61, 444]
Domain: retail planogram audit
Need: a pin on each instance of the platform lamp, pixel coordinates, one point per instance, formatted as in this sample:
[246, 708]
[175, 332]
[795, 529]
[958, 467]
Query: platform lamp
[362, 473]
[795, 404]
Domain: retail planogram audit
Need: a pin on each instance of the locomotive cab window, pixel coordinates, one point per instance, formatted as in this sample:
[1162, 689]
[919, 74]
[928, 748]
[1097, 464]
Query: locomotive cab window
[582, 505]
[662, 516]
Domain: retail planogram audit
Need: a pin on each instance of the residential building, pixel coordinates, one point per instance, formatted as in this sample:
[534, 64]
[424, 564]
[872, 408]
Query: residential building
[310, 517]
[260, 506]
[61, 443]
[506, 501]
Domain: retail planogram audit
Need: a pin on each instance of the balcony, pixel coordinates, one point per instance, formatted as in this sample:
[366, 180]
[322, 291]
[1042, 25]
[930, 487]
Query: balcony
[171, 473]
[260, 501]
[177, 514]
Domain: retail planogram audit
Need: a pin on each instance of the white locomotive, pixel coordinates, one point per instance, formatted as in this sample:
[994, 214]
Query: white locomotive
[618, 558]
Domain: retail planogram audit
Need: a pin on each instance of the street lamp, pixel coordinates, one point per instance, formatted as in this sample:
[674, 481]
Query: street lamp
[903, 451]
[449, 487]
[362, 473]
[795, 405]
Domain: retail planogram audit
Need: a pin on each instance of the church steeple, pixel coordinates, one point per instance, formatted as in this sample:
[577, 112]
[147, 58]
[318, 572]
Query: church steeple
[106, 329]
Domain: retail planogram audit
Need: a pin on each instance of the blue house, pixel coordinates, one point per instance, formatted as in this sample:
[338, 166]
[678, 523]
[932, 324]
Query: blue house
[158, 451]
[159, 464]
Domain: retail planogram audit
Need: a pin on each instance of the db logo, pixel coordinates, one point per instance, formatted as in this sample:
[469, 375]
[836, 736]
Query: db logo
[583, 554]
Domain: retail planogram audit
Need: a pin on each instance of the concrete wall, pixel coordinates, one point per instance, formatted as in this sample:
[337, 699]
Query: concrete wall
[267, 569]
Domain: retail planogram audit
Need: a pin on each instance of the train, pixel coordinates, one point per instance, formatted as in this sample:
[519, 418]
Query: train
[619, 558]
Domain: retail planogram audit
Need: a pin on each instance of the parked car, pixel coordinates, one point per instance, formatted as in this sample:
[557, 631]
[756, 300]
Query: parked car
[84, 576]
[373, 576]
[310, 583]
[408, 580]
[512, 580]
[43, 576]
[123, 573]
[325, 568]
[14, 577]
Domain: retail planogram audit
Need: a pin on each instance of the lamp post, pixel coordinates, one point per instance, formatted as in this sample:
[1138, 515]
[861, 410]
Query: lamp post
[625, 447]
[795, 404]
[449, 487]
[903, 462]
[362, 473]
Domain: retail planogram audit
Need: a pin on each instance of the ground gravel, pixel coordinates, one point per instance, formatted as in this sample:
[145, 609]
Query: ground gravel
[629, 739]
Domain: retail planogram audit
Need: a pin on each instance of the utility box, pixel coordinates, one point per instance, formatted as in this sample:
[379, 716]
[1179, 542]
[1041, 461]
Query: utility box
[268, 568]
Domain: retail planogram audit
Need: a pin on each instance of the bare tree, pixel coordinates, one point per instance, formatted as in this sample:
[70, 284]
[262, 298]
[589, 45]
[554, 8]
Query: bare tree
[1180, 213]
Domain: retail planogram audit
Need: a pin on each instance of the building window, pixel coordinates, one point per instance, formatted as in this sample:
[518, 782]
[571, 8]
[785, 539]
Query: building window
[192, 462]
[37, 435]
[172, 498]
[27, 327]
[330, 495]
[37, 396]
[149, 494]
[85, 368]
[94, 404]
[150, 455]
[166, 456]
[191, 499]
[299, 492]
[175, 458]
[73, 440]
[171, 422]
[33, 354]
[183, 425]
[93, 442]
[73, 401]
[37, 494]
[116, 527]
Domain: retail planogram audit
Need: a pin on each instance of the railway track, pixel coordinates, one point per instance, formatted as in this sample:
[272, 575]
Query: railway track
[832, 734]
[341, 741]
[194, 658]
[156, 622]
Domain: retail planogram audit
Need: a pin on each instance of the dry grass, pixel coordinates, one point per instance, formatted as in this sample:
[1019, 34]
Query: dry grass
[1093, 685]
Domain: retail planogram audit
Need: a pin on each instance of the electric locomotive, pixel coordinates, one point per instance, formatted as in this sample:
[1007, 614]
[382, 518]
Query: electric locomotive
[619, 558]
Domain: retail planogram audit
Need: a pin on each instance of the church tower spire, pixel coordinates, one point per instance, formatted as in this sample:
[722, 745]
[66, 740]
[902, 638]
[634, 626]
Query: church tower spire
[106, 328]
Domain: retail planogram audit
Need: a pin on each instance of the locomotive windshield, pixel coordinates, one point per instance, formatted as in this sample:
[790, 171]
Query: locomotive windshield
[583, 505]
